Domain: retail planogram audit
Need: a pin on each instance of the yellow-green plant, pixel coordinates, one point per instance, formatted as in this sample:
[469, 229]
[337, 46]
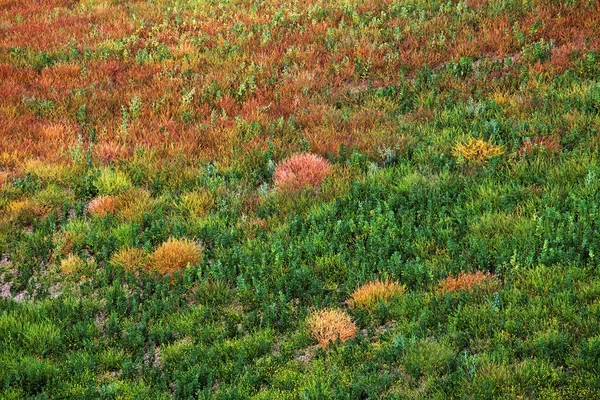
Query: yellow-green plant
[198, 202]
[131, 259]
[476, 150]
[112, 182]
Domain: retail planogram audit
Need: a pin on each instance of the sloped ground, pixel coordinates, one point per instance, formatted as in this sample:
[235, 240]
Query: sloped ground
[161, 237]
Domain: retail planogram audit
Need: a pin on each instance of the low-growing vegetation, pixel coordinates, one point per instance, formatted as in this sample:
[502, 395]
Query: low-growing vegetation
[331, 325]
[299, 200]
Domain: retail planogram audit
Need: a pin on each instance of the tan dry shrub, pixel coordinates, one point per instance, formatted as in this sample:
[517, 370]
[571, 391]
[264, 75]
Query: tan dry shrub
[102, 205]
[331, 324]
[131, 259]
[477, 151]
[468, 282]
[371, 293]
[300, 171]
[174, 255]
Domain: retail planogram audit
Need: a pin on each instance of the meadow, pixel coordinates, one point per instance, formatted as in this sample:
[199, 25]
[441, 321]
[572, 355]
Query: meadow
[345, 199]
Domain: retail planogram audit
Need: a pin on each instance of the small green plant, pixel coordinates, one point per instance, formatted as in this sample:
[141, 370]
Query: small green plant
[112, 182]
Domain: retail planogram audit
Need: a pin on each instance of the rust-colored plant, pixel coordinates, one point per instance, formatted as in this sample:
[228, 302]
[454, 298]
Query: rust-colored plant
[301, 171]
[477, 151]
[370, 294]
[131, 259]
[546, 144]
[174, 255]
[468, 282]
[102, 205]
[330, 324]
[3, 178]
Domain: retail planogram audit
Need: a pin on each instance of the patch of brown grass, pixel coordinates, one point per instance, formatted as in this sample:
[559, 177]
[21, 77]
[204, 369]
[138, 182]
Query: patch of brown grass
[477, 151]
[371, 293]
[175, 255]
[330, 324]
[468, 282]
[301, 171]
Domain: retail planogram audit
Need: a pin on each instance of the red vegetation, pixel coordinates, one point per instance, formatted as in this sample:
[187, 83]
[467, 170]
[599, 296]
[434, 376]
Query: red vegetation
[541, 143]
[301, 171]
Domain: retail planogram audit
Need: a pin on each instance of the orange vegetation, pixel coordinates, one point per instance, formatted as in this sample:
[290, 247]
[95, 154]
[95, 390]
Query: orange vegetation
[174, 255]
[329, 325]
[371, 293]
[468, 281]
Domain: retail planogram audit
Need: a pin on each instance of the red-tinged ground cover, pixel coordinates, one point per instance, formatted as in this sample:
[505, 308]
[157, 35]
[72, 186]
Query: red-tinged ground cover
[194, 70]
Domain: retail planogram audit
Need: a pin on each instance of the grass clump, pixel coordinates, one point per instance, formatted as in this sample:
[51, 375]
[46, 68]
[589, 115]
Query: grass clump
[24, 211]
[111, 182]
[370, 294]
[3, 179]
[102, 205]
[174, 255]
[330, 324]
[477, 151]
[72, 264]
[301, 171]
[468, 282]
[133, 203]
[131, 259]
[199, 202]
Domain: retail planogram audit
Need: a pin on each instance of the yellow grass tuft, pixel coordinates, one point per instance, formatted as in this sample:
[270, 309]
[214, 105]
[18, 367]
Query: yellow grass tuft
[330, 324]
[24, 211]
[198, 202]
[47, 172]
[370, 294]
[477, 151]
[71, 264]
[131, 259]
[133, 203]
[174, 255]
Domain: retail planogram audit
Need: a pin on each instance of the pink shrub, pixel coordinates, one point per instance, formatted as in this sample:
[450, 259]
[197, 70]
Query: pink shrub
[299, 171]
